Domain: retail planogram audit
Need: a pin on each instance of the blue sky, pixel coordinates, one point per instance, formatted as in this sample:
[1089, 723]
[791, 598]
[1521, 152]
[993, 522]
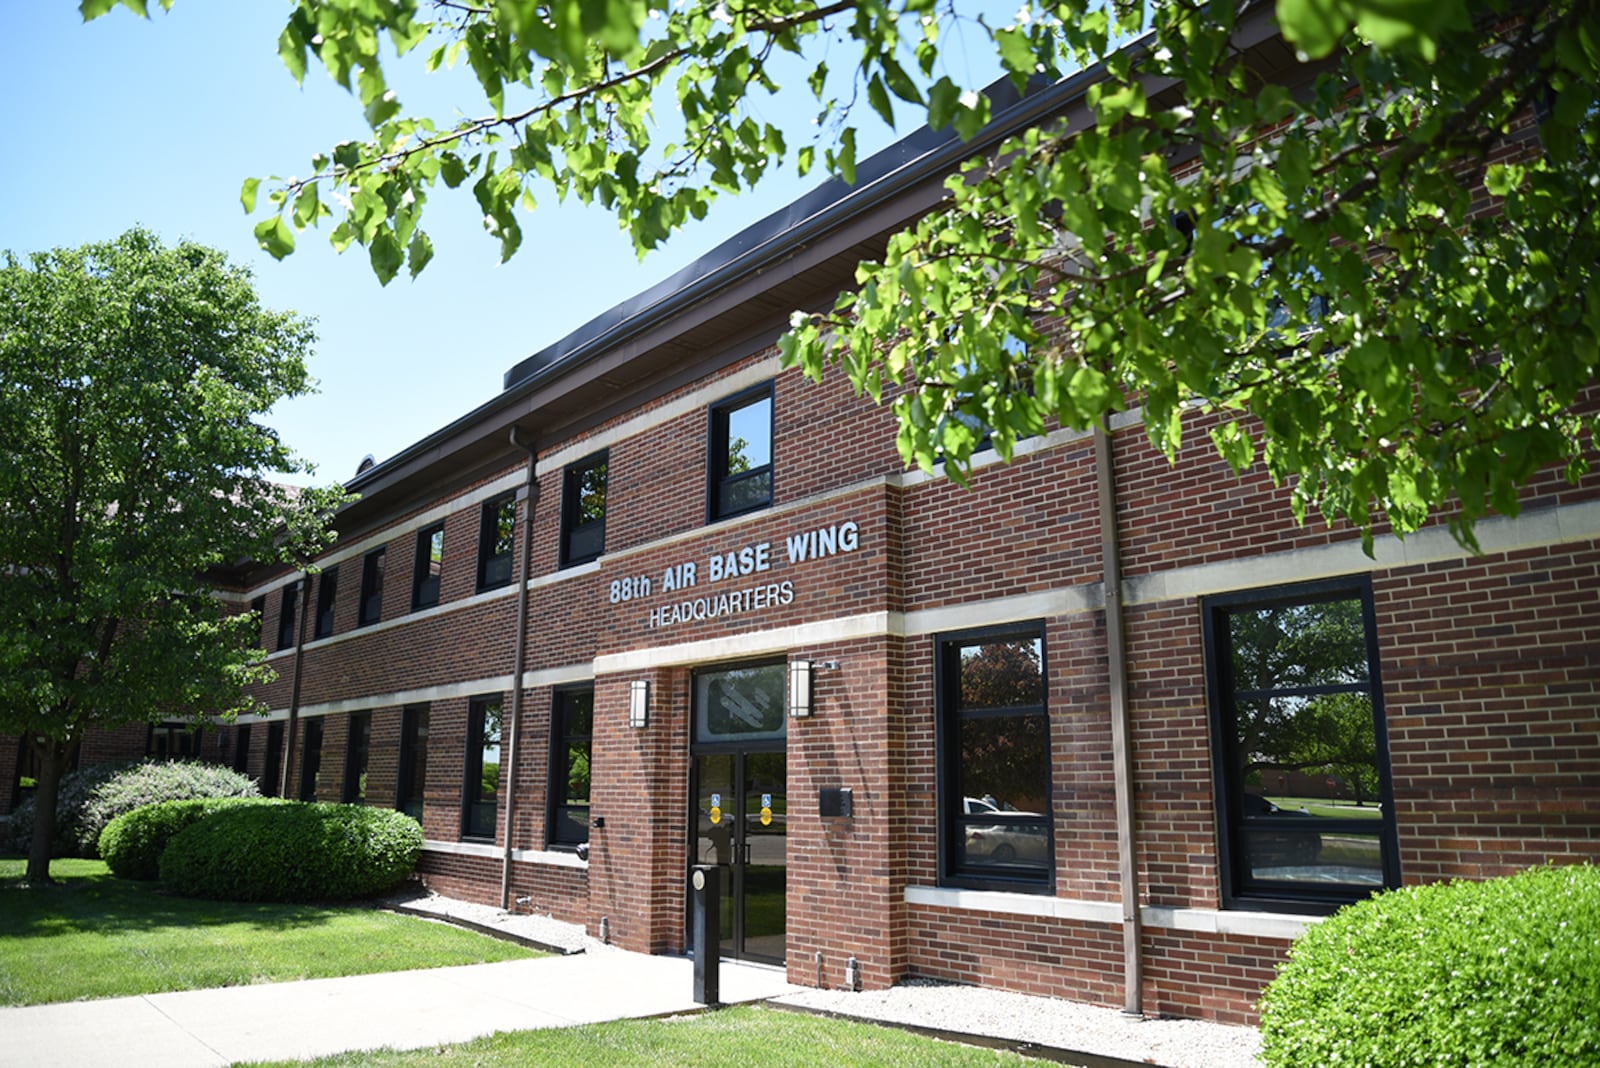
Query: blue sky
[123, 122]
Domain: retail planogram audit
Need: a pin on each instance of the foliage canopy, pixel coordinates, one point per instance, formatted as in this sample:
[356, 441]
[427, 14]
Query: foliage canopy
[1368, 265]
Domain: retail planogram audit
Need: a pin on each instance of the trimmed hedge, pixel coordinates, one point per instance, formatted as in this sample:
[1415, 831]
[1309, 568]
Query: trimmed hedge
[132, 844]
[292, 852]
[1499, 972]
[91, 798]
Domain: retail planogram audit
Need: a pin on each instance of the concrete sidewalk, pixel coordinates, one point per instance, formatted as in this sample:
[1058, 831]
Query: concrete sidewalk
[405, 1010]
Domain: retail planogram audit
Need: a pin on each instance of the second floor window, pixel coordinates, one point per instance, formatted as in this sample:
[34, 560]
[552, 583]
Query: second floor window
[583, 510]
[327, 592]
[740, 463]
[372, 587]
[429, 566]
[286, 615]
[496, 537]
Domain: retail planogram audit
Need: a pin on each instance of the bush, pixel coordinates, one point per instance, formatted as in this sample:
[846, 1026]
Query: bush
[91, 798]
[1499, 972]
[132, 844]
[292, 852]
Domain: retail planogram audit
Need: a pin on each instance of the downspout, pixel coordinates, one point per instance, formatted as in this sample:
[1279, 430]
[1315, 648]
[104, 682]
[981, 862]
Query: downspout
[1121, 730]
[303, 588]
[529, 493]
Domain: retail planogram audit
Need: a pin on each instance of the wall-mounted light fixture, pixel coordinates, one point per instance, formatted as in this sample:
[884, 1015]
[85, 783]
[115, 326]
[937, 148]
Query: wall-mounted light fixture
[799, 689]
[638, 703]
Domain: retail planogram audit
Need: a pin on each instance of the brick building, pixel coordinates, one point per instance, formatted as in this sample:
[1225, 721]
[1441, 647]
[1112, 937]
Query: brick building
[662, 602]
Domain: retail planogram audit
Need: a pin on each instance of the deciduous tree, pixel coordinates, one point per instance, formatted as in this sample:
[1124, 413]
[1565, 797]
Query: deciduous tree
[1371, 269]
[133, 378]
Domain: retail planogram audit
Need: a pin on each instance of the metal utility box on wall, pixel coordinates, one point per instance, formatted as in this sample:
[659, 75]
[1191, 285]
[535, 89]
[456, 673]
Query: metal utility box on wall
[835, 801]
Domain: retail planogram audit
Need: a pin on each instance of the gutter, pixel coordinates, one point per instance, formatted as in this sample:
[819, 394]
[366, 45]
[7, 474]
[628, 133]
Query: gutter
[1121, 728]
[529, 493]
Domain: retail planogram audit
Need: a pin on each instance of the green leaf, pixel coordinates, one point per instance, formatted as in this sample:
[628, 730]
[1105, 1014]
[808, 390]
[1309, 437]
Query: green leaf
[275, 237]
[418, 253]
[93, 9]
[878, 97]
[247, 194]
[385, 255]
[1314, 26]
[944, 97]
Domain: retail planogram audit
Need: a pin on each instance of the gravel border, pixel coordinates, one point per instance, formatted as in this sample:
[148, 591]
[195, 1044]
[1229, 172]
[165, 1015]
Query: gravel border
[1039, 1026]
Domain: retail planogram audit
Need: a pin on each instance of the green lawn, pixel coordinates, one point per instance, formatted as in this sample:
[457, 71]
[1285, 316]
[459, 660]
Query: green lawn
[97, 936]
[737, 1036]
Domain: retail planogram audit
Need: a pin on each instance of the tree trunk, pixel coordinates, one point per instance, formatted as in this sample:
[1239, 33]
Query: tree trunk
[53, 757]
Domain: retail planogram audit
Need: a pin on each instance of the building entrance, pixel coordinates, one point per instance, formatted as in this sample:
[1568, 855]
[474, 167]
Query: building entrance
[739, 817]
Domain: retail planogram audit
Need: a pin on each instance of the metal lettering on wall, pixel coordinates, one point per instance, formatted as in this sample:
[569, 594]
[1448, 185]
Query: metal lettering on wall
[809, 545]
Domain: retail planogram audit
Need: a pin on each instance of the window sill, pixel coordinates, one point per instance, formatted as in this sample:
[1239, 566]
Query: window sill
[1205, 921]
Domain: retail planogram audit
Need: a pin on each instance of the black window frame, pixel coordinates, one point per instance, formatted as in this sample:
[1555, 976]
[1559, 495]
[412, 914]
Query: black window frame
[272, 759]
[718, 477]
[409, 792]
[562, 819]
[173, 739]
[425, 581]
[1239, 890]
[357, 757]
[493, 560]
[241, 749]
[582, 542]
[472, 828]
[288, 615]
[373, 565]
[327, 598]
[956, 868]
[310, 758]
[258, 605]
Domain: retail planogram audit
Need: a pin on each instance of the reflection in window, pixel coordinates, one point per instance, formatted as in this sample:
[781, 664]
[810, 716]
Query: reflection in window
[572, 730]
[355, 758]
[496, 537]
[429, 566]
[741, 454]
[310, 759]
[327, 594]
[583, 510]
[995, 778]
[413, 760]
[1302, 765]
[288, 600]
[741, 704]
[481, 796]
[372, 587]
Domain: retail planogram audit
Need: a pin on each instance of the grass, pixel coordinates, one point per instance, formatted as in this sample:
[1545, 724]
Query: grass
[97, 936]
[746, 1035]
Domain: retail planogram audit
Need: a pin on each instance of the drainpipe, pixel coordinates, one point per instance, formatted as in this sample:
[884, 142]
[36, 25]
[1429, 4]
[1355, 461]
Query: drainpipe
[1121, 739]
[303, 588]
[529, 493]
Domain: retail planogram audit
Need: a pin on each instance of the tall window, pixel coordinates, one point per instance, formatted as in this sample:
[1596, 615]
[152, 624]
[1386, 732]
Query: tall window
[355, 757]
[241, 748]
[1305, 820]
[572, 727]
[994, 761]
[372, 586]
[288, 601]
[480, 797]
[583, 510]
[496, 537]
[430, 564]
[413, 761]
[310, 758]
[258, 608]
[272, 761]
[740, 463]
[327, 593]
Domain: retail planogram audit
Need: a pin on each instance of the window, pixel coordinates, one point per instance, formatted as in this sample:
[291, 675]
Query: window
[430, 561]
[583, 510]
[311, 760]
[480, 796]
[272, 762]
[994, 762]
[496, 537]
[355, 758]
[286, 615]
[241, 749]
[413, 761]
[1304, 813]
[327, 593]
[173, 741]
[572, 725]
[258, 607]
[741, 454]
[372, 587]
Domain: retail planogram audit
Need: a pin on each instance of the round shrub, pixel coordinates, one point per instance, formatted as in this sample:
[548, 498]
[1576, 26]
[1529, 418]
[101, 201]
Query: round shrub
[132, 844]
[292, 852]
[91, 798]
[1499, 972]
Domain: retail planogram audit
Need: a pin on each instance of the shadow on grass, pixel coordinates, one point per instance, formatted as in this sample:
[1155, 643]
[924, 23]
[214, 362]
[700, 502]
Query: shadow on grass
[88, 898]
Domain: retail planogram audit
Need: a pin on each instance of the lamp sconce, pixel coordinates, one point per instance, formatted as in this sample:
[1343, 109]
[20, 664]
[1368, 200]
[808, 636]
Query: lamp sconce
[799, 689]
[638, 703]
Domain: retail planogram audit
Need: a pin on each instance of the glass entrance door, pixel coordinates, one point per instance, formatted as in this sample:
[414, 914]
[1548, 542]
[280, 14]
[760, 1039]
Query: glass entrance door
[741, 816]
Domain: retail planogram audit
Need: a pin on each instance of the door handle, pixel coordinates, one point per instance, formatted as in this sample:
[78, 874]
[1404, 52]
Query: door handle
[746, 860]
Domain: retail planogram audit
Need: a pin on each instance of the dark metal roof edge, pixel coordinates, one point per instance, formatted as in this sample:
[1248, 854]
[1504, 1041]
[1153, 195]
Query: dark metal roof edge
[920, 155]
